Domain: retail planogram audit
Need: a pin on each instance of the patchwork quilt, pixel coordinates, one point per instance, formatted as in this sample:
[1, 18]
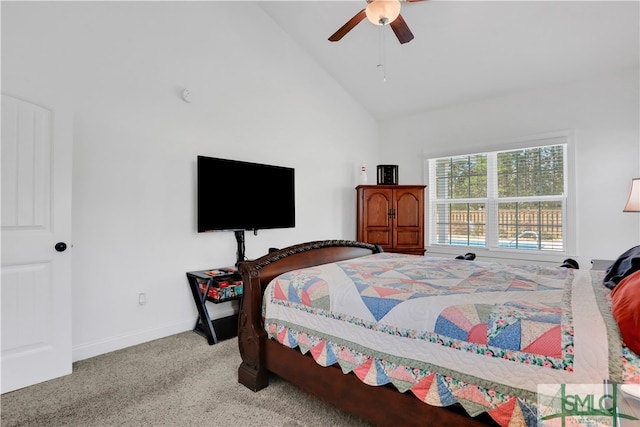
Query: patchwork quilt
[453, 331]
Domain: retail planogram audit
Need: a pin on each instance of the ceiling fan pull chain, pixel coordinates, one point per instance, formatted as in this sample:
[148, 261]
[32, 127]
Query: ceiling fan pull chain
[381, 64]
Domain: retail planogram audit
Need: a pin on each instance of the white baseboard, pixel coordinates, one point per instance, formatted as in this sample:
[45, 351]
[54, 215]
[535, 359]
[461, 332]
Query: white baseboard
[96, 348]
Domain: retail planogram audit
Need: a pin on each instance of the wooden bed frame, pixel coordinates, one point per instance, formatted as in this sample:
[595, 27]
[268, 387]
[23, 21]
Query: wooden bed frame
[261, 356]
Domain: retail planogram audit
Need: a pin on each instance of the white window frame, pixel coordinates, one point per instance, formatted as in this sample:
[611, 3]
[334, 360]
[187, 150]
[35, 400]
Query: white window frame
[566, 137]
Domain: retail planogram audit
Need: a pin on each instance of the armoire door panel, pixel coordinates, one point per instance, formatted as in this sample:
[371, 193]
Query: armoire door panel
[408, 238]
[378, 206]
[408, 210]
[379, 237]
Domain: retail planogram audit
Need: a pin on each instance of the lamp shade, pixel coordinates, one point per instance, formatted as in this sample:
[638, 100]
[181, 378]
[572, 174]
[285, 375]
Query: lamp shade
[633, 204]
[381, 12]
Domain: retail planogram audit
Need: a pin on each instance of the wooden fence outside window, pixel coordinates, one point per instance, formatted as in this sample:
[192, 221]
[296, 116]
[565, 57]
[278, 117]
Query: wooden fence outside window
[546, 223]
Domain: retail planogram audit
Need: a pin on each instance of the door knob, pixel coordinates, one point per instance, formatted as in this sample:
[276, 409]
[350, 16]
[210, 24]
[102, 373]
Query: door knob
[61, 246]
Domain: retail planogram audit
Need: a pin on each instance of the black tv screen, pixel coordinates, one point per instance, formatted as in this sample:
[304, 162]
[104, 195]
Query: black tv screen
[237, 195]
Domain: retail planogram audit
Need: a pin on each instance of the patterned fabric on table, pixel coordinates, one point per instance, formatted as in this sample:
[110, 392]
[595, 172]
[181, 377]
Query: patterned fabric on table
[477, 333]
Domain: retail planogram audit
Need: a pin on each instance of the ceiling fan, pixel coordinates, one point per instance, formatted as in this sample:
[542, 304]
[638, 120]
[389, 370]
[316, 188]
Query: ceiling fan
[379, 12]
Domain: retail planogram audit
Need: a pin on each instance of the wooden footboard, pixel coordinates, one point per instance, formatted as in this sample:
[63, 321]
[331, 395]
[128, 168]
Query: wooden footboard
[381, 405]
[257, 274]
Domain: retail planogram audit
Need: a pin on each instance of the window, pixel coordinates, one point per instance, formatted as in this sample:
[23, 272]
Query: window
[511, 199]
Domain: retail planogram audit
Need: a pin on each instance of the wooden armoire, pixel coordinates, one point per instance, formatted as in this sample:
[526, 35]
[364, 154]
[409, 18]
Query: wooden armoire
[392, 216]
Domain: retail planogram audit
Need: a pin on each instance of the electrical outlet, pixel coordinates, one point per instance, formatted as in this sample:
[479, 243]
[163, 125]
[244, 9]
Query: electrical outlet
[142, 298]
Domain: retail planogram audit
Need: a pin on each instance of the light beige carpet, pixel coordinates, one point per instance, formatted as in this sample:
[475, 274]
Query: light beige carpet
[175, 381]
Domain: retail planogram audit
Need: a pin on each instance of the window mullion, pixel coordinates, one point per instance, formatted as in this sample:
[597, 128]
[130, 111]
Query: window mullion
[492, 196]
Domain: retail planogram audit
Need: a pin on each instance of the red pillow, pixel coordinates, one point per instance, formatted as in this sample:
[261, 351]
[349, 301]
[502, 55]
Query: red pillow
[625, 305]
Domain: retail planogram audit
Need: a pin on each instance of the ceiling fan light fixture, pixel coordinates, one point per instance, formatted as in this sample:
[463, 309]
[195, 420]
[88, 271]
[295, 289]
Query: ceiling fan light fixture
[382, 12]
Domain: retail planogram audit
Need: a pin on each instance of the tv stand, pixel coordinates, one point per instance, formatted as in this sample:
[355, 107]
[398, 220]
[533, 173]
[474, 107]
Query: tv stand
[207, 285]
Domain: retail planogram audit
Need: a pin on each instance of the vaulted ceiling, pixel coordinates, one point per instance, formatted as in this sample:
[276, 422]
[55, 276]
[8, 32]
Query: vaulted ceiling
[463, 51]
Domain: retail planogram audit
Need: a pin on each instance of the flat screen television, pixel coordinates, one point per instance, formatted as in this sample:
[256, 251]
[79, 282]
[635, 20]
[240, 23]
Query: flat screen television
[234, 195]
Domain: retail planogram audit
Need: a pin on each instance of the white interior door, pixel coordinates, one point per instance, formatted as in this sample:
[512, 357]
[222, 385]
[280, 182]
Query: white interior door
[36, 215]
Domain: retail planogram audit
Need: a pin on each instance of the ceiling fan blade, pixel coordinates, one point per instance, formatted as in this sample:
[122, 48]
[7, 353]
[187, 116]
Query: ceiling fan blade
[401, 29]
[342, 31]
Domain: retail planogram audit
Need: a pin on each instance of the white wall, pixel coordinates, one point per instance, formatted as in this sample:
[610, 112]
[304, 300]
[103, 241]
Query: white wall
[604, 113]
[255, 96]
